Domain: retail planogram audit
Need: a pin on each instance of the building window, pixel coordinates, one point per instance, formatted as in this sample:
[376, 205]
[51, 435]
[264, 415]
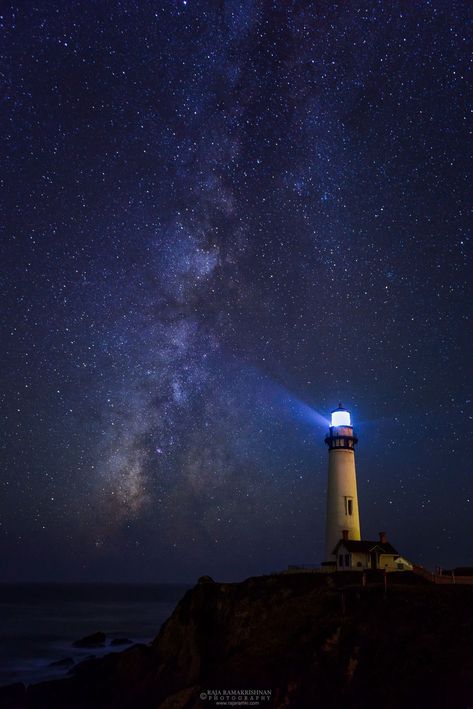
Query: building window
[347, 559]
[349, 506]
[340, 559]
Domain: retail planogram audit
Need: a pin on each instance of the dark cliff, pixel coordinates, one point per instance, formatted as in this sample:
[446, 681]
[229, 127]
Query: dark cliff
[313, 640]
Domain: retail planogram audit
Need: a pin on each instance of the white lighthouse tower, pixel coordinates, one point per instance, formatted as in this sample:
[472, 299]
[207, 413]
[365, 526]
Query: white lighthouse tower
[342, 498]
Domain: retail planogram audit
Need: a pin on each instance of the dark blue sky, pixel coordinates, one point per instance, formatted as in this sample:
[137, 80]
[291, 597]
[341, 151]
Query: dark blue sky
[219, 219]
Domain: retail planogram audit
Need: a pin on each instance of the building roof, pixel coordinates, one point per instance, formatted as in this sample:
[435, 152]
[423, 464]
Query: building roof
[366, 547]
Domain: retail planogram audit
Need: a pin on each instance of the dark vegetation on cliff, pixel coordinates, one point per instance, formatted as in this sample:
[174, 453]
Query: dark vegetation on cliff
[314, 640]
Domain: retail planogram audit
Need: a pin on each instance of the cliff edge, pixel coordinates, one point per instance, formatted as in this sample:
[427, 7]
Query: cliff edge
[295, 640]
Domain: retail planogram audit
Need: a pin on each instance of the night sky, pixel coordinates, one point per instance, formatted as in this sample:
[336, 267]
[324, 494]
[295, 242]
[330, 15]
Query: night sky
[219, 219]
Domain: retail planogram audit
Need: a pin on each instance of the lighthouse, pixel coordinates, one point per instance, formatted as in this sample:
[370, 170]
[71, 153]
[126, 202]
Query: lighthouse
[343, 518]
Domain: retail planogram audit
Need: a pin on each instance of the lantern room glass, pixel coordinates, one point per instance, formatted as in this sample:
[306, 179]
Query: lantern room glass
[341, 418]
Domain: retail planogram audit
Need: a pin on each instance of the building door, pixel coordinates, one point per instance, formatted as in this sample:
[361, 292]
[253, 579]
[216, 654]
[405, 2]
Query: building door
[374, 560]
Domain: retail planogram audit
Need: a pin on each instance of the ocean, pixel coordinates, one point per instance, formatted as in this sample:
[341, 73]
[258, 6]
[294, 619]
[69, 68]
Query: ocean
[39, 622]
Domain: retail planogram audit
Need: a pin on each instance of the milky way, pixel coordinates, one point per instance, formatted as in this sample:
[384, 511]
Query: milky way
[220, 219]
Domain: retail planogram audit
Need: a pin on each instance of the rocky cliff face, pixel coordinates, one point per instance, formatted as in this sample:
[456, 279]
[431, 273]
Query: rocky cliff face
[312, 640]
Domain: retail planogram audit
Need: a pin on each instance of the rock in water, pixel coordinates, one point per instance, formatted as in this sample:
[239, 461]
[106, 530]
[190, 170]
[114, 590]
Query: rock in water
[94, 640]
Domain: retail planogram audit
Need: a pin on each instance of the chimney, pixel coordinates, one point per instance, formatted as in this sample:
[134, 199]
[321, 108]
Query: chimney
[345, 535]
[383, 538]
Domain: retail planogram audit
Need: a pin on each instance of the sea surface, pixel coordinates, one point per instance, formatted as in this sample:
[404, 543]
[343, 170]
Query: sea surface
[39, 622]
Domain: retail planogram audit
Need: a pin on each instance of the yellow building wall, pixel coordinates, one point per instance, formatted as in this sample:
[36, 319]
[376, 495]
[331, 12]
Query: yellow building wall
[391, 563]
[388, 562]
[363, 559]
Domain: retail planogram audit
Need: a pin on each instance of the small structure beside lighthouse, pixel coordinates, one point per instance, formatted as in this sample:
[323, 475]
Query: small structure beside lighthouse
[343, 517]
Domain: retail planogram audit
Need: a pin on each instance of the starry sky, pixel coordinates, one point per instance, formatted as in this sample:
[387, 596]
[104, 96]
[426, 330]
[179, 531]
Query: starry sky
[219, 219]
